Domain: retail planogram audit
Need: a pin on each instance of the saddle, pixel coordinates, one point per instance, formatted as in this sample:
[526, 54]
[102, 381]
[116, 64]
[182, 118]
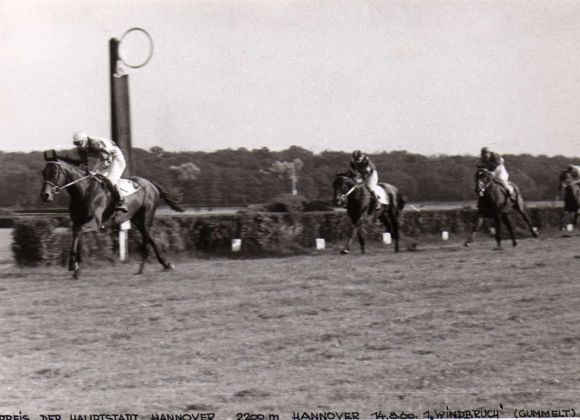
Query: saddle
[126, 186]
[382, 195]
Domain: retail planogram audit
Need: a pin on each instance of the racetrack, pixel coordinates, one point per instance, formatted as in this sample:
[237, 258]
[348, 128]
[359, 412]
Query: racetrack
[444, 326]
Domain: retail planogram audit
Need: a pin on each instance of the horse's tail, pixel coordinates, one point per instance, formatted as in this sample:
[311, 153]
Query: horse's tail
[171, 198]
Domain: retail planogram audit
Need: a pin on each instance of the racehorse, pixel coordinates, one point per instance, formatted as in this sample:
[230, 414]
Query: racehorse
[92, 205]
[350, 192]
[494, 203]
[571, 196]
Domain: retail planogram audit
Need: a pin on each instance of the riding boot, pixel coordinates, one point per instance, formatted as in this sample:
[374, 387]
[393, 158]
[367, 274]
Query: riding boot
[377, 201]
[511, 193]
[121, 205]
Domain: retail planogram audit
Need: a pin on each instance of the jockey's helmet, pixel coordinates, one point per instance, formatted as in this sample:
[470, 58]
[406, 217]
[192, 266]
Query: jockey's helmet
[79, 138]
[357, 155]
[485, 152]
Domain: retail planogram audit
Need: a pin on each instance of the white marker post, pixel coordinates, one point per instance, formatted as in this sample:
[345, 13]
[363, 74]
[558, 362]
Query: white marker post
[387, 238]
[123, 242]
[236, 245]
[320, 243]
[569, 227]
[445, 235]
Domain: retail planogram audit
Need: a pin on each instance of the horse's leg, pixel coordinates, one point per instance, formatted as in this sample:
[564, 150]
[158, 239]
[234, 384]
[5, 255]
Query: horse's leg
[80, 249]
[389, 228]
[168, 265]
[508, 224]
[144, 223]
[395, 233]
[361, 240]
[355, 228]
[521, 209]
[73, 260]
[497, 224]
[139, 222]
[476, 226]
[563, 220]
[391, 222]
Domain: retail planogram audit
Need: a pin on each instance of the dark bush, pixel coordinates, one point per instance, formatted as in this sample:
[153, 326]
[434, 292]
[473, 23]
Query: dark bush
[41, 241]
[286, 203]
[33, 241]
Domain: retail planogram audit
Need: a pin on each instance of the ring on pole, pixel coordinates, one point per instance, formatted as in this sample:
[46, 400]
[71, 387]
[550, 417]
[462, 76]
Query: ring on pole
[147, 59]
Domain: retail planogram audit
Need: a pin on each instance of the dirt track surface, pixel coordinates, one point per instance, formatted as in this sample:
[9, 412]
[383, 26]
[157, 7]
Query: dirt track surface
[445, 326]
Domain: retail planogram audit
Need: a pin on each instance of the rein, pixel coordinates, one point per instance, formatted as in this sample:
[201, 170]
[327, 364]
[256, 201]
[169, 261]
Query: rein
[58, 188]
[349, 192]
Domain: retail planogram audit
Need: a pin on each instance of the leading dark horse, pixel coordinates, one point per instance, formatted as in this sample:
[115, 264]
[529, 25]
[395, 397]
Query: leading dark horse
[350, 192]
[494, 203]
[571, 196]
[92, 204]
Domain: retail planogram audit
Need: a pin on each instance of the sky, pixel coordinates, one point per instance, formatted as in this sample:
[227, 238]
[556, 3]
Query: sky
[430, 77]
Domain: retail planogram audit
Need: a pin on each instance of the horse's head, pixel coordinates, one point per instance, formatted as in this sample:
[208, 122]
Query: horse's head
[344, 184]
[52, 178]
[56, 173]
[482, 180]
[565, 180]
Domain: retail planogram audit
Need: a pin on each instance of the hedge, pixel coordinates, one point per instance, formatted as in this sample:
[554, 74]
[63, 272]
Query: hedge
[46, 241]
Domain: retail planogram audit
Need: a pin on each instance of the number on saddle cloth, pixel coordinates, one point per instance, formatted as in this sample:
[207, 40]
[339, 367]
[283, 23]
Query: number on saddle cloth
[128, 187]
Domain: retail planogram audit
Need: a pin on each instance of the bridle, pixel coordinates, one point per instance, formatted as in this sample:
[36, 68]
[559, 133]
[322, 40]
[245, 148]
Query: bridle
[344, 196]
[57, 188]
[481, 185]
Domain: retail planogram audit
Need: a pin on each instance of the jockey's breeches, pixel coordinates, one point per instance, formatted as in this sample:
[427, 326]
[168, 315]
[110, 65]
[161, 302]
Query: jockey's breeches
[115, 170]
[372, 181]
[501, 174]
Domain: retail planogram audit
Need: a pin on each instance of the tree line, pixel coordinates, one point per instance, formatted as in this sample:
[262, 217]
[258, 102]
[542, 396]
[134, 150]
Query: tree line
[241, 177]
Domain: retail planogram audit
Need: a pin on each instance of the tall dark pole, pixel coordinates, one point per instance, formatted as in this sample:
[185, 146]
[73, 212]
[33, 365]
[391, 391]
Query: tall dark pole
[120, 106]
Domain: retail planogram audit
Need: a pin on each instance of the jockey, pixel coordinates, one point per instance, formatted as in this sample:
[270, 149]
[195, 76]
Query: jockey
[494, 163]
[110, 163]
[362, 165]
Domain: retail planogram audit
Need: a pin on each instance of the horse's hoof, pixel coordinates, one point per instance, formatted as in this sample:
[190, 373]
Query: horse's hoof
[344, 251]
[170, 267]
[77, 274]
[514, 244]
[467, 244]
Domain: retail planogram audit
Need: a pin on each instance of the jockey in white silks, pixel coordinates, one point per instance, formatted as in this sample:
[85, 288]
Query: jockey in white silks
[110, 163]
[362, 165]
[494, 163]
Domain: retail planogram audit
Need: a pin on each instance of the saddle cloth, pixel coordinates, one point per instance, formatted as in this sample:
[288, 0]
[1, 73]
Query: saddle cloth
[127, 187]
